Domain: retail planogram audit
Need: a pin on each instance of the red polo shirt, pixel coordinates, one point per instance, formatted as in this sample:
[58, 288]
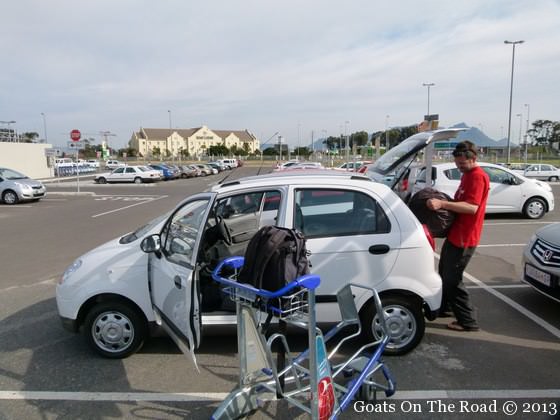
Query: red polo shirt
[466, 229]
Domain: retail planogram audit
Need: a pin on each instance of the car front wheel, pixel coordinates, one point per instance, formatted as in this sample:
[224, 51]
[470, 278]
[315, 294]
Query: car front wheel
[115, 329]
[405, 323]
[534, 208]
[101, 180]
[10, 197]
[137, 180]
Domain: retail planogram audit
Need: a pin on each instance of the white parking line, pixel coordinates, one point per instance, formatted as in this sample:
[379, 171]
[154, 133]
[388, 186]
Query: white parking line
[148, 200]
[499, 245]
[519, 223]
[536, 319]
[220, 396]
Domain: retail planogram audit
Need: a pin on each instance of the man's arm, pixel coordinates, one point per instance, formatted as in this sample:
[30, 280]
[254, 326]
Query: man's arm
[454, 206]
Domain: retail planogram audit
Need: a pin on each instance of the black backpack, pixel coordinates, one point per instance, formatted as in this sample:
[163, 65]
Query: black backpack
[274, 257]
[439, 222]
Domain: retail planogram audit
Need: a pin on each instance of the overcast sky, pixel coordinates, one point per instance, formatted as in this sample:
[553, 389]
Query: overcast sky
[290, 67]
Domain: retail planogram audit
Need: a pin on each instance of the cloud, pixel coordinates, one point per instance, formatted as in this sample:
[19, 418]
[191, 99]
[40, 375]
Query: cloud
[289, 67]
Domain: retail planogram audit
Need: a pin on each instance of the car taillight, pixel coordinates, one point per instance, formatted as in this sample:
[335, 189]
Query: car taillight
[430, 237]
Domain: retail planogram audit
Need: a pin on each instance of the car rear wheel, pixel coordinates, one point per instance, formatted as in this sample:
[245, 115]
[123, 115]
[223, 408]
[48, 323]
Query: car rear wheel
[553, 179]
[10, 197]
[534, 208]
[101, 180]
[115, 329]
[405, 322]
[137, 180]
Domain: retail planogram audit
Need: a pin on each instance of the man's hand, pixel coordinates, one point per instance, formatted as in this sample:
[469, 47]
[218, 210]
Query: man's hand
[435, 203]
[424, 126]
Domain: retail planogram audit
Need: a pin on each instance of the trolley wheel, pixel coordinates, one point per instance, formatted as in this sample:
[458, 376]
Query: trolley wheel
[367, 393]
[405, 322]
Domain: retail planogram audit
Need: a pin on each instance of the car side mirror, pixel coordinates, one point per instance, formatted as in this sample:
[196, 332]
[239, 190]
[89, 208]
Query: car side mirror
[151, 244]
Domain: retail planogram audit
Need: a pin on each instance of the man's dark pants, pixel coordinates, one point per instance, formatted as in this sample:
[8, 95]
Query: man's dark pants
[453, 261]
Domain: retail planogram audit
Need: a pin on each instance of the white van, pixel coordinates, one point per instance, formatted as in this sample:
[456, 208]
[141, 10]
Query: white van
[228, 163]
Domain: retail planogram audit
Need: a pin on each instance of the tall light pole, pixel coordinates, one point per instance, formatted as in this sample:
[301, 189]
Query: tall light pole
[520, 122]
[387, 132]
[45, 126]
[514, 43]
[428, 85]
[527, 131]
[169, 112]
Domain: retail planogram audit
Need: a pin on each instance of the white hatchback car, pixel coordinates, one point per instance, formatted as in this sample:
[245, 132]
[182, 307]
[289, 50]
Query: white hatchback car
[357, 231]
[510, 192]
[543, 172]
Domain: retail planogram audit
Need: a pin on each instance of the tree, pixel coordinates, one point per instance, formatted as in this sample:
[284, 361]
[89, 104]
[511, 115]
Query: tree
[30, 137]
[270, 151]
[302, 151]
[156, 151]
[332, 142]
[359, 138]
[545, 133]
[219, 150]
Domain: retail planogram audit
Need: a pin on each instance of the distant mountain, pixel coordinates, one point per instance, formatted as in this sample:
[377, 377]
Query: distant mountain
[479, 138]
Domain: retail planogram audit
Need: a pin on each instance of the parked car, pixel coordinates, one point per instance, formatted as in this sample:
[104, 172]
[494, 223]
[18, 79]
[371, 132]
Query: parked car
[187, 171]
[518, 168]
[16, 187]
[357, 231]
[541, 261]
[217, 166]
[204, 169]
[543, 172]
[228, 163]
[509, 191]
[166, 172]
[351, 166]
[113, 164]
[93, 163]
[286, 165]
[136, 174]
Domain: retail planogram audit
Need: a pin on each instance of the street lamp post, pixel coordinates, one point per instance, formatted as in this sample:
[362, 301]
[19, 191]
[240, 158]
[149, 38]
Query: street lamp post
[346, 142]
[387, 132]
[45, 126]
[428, 85]
[527, 131]
[519, 140]
[514, 43]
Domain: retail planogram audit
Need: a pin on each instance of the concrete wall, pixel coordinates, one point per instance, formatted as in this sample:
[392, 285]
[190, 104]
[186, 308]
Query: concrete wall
[28, 158]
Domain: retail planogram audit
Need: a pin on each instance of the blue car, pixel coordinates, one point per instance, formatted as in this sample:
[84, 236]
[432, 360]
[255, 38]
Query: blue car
[166, 172]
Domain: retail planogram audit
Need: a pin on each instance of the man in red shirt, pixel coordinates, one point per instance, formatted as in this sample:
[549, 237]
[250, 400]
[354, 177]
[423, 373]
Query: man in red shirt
[469, 204]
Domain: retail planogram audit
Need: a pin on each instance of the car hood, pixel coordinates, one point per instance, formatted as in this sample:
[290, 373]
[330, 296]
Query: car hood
[27, 181]
[404, 152]
[550, 233]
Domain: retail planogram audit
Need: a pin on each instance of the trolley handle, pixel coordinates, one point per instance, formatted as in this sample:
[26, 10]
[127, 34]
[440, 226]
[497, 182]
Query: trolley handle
[309, 281]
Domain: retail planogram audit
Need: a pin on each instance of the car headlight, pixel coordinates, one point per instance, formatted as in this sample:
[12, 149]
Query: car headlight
[70, 270]
[22, 186]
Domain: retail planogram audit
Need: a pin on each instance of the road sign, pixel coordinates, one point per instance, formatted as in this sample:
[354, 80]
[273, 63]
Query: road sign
[75, 135]
[76, 144]
[50, 152]
[445, 145]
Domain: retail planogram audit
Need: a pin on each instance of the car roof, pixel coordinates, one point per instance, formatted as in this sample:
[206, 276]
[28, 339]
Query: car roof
[298, 177]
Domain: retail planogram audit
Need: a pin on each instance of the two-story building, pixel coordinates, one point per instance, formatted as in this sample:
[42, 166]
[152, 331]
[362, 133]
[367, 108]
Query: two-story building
[195, 141]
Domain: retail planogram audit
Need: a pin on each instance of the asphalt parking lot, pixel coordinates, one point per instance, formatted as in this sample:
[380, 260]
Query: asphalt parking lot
[510, 368]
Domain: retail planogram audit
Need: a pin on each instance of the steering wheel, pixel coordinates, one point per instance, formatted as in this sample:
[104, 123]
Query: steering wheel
[223, 229]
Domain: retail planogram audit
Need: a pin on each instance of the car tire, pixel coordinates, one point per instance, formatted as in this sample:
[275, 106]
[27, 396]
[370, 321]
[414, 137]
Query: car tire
[101, 180]
[405, 322]
[115, 329]
[534, 208]
[184, 176]
[137, 180]
[553, 179]
[10, 197]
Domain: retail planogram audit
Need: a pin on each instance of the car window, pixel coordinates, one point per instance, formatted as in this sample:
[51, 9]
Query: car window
[421, 177]
[453, 174]
[262, 204]
[130, 171]
[546, 168]
[179, 235]
[118, 171]
[496, 175]
[335, 212]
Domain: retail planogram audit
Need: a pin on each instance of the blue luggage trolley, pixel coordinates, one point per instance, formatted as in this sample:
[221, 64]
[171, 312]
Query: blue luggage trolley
[311, 381]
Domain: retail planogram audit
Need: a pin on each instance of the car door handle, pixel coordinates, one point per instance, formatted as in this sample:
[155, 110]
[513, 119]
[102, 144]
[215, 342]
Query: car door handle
[379, 249]
[177, 281]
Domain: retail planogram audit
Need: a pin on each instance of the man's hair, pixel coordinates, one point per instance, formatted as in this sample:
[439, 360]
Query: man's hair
[467, 149]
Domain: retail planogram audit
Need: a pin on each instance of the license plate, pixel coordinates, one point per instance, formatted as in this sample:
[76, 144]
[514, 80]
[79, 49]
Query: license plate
[537, 274]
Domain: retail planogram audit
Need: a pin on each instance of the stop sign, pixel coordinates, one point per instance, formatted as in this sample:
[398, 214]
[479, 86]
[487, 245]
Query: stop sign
[75, 135]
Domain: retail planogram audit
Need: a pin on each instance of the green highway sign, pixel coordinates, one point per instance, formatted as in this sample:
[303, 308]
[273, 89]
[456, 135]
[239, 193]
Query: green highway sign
[445, 145]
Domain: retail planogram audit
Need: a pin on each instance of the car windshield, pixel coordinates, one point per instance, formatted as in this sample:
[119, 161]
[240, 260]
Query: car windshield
[143, 230]
[11, 174]
[145, 168]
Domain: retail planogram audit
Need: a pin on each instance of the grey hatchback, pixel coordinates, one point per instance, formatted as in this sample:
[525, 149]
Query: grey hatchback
[16, 187]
